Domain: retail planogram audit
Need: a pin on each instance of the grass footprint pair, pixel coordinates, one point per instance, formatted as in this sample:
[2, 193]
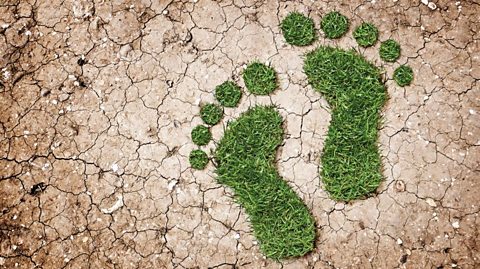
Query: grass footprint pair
[351, 163]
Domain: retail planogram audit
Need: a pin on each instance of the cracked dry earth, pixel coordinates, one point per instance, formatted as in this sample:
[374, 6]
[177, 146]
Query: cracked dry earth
[98, 98]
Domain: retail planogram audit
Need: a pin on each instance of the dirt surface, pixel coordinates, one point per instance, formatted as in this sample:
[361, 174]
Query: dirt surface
[98, 98]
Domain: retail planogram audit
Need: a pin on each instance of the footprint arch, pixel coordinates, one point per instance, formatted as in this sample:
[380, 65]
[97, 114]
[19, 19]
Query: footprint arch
[353, 87]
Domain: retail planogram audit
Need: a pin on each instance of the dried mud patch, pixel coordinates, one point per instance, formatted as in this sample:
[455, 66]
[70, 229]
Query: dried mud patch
[97, 101]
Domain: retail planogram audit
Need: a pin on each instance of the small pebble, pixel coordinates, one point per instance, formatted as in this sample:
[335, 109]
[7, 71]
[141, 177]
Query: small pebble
[399, 186]
[431, 202]
[114, 167]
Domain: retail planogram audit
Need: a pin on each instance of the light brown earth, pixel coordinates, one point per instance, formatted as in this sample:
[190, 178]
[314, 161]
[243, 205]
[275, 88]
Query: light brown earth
[98, 98]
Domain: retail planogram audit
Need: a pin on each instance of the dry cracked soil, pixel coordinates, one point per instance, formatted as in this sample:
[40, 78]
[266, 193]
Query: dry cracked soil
[98, 98]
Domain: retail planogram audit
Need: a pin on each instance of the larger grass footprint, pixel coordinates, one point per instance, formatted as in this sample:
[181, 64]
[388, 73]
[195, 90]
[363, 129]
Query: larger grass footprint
[246, 163]
[351, 163]
[245, 159]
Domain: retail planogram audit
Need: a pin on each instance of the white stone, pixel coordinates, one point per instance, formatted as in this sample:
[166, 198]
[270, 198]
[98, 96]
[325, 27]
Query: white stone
[124, 50]
[118, 204]
[399, 241]
[432, 5]
[115, 167]
[172, 184]
[425, 2]
[431, 202]
[6, 75]
[456, 224]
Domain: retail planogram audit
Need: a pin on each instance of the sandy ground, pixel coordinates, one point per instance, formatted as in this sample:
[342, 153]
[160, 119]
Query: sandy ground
[98, 98]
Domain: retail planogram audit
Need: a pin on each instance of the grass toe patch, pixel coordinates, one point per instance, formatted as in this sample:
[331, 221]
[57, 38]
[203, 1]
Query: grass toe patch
[211, 114]
[366, 34]
[351, 163]
[228, 94]
[198, 159]
[245, 156]
[260, 79]
[390, 50]
[201, 135]
[334, 25]
[403, 75]
[298, 29]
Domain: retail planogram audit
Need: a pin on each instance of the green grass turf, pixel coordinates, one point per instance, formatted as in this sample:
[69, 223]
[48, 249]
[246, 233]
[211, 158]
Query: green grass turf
[298, 29]
[351, 164]
[228, 94]
[366, 34]
[245, 159]
[260, 79]
[334, 25]
[201, 135]
[198, 159]
[403, 75]
[211, 114]
[389, 50]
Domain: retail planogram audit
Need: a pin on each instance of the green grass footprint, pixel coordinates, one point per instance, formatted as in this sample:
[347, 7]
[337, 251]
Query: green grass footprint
[351, 162]
[353, 87]
[245, 161]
